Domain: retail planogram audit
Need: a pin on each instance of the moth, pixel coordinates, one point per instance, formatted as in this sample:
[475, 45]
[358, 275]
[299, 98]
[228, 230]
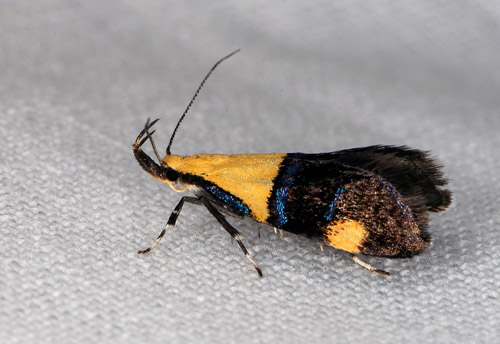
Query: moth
[372, 200]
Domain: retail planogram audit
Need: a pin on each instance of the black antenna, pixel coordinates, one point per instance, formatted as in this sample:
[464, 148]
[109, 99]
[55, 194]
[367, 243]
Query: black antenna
[194, 97]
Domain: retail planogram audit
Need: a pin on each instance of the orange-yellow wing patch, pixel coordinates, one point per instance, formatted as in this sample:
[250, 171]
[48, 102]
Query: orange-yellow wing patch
[249, 177]
[347, 235]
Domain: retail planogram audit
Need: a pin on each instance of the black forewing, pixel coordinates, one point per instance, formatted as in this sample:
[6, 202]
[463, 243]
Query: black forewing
[308, 184]
[413, 172]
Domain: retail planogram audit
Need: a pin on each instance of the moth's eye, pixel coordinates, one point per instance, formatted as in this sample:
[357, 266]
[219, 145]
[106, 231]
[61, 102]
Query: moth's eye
[172, 175]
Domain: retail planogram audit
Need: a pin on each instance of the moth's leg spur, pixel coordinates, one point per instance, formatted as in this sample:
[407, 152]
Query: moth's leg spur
[172, 220]
[367, 266]
[233, 232]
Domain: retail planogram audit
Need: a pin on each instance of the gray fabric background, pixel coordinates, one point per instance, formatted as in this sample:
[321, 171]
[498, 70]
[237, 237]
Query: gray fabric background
[79, 79]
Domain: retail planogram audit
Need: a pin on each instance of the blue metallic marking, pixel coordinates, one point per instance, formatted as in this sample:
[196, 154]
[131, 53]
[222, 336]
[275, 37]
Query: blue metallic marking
[413, 238]
[225, 197]
[285, 183]
[329, 213]
[399, 200]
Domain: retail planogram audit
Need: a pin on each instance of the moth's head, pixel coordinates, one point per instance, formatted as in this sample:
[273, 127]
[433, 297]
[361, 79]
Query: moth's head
[173, 176]
[161, 171]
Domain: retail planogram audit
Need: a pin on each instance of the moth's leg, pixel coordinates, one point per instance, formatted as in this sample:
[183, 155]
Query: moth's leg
[367, 266]
[171, 220]
[276, 231]
[233, 232]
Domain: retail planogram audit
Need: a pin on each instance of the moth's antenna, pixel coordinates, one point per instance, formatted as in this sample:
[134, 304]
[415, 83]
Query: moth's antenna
[194, 97]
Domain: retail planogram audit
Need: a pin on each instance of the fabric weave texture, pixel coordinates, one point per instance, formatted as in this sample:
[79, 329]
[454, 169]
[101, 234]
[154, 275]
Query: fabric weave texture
[79, 80]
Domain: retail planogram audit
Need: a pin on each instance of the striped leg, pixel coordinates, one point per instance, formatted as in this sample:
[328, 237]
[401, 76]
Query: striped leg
[233, 232]
[171, 220]
[367, 266]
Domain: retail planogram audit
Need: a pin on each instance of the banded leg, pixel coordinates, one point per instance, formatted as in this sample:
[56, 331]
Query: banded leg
[172, 220]
[367, 266]
[233, 232]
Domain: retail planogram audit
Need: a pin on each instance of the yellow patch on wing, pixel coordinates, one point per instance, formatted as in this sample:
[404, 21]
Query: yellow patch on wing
[347, 235]
[247, 176]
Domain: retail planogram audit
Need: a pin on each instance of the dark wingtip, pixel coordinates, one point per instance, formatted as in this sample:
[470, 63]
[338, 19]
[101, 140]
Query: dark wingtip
[443, 203]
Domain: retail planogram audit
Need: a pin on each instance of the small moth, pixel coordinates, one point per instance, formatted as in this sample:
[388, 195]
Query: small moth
[373, 200]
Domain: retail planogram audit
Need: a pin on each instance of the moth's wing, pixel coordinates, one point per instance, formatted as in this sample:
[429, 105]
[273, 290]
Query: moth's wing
[413, 172]
[351, 208]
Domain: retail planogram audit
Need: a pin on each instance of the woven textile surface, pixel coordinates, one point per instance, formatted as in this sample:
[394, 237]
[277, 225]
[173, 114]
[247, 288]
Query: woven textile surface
[78, 81]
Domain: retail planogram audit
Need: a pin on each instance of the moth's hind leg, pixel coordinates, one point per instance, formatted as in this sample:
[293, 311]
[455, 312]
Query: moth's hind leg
[233, 232]
[367, 266]
[172, 220]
